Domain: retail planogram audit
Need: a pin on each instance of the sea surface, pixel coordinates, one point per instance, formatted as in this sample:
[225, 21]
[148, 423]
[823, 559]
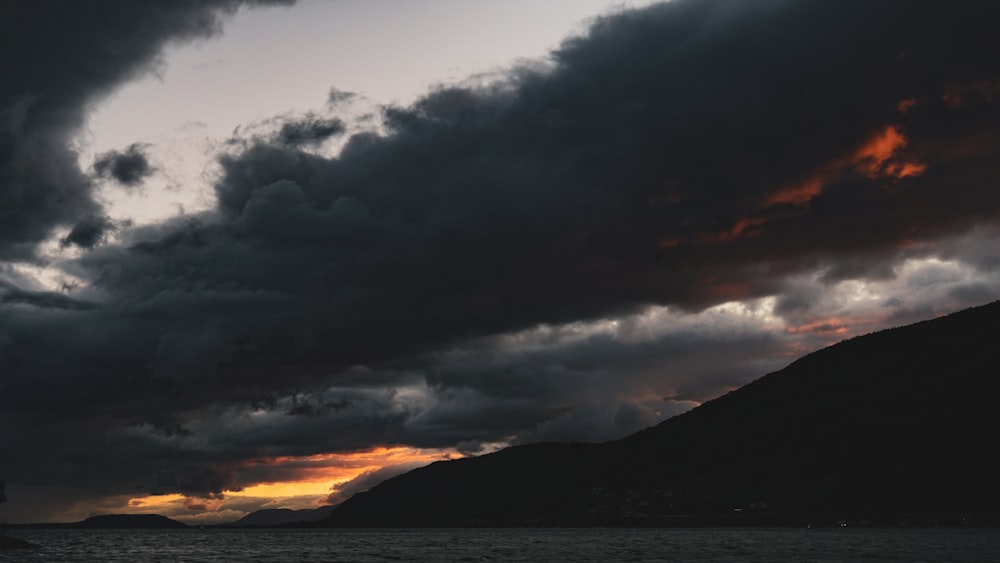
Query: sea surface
[547, 544]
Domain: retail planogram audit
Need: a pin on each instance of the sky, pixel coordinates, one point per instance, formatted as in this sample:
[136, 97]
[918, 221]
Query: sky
[267, 254]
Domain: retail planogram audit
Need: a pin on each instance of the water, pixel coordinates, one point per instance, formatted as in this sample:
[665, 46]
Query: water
[214, 545]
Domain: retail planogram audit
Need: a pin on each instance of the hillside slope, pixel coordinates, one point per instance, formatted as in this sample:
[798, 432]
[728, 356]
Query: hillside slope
[281, 517]
[890, 427]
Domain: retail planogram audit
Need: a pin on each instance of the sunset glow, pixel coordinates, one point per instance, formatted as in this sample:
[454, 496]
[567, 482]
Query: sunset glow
[319, 476]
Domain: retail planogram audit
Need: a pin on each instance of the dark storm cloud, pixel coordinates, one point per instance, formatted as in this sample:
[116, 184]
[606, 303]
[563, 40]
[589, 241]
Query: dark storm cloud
[12, 294]
[59, 58]
[310, 130]
[204, 481]
[337, 96]
[128, 167]
[638, 170]
[688, 154]
[88, 232]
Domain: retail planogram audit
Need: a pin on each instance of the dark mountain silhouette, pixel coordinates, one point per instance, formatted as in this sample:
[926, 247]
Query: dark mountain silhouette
[117, 521]
[129, 521]
[113, 521]
[893, 427]
[282, 516]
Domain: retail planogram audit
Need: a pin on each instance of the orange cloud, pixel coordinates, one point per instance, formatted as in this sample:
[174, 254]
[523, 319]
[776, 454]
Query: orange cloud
[831, 330]
[672, 242]
[198, 504]
[833, 325]
[725, 290]
[955, 96]
[743, 228]
[907, 169]
[882, 145]
[798, 194]
[877, 157]
[905, 105]
[872, 156]
[747, 227]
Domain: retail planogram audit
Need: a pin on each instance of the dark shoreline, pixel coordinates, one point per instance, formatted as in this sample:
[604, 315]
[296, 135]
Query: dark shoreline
[762, 521]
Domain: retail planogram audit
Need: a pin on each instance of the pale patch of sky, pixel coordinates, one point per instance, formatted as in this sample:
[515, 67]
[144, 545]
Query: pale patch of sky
[284, 61]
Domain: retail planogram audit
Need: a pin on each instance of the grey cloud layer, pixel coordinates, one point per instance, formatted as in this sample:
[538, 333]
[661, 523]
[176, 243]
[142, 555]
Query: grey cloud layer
[616, 179]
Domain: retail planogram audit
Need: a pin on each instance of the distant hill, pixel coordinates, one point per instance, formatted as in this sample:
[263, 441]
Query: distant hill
[281, 516]
[129, 521]
[116, 521]
[894, 427]
[260, 518]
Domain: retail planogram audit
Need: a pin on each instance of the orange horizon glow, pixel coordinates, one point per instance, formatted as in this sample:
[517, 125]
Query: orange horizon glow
[316, 479]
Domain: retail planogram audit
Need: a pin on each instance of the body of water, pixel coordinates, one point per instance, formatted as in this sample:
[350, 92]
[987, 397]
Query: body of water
[214, 545]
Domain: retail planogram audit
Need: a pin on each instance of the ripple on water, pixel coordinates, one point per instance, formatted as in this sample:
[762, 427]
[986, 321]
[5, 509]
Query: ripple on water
[520, 544]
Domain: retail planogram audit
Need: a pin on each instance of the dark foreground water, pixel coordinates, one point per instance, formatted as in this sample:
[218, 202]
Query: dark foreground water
[208, 545]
